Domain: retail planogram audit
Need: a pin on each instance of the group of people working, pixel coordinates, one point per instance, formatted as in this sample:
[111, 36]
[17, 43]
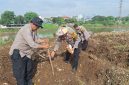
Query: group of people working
[75, 37]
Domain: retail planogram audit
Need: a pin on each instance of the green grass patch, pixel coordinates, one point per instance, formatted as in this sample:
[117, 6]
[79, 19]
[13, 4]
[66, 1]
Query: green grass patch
[48, 28]
[4, 42]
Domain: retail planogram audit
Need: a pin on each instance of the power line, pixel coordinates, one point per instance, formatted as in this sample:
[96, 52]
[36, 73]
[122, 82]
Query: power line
[120, 13]
[120, 8]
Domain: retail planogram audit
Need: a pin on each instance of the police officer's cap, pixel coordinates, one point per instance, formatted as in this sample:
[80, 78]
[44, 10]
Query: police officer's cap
[37, 21]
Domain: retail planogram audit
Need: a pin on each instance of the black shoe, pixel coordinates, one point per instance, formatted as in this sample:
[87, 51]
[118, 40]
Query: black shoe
[67, 62]
[74, 70]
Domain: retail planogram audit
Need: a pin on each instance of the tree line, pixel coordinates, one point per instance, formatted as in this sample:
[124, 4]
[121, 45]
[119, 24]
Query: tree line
[98, 20]
[9, 17]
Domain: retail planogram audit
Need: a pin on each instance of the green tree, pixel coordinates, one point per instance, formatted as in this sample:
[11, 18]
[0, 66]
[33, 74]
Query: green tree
[71, 20]
[0, 20]
[19, 19]
[102, 20]
[29, 15]
[7, 17]
[98, 18]
[125, 20]
[110, 18]
[58, 20]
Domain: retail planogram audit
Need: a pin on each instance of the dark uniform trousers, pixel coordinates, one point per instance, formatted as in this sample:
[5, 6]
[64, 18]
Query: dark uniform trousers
[75, 56]
[22, 68]
[84, 45]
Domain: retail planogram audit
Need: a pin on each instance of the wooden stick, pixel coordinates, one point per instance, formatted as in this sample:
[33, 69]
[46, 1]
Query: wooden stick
[49, 55]
[41, 56]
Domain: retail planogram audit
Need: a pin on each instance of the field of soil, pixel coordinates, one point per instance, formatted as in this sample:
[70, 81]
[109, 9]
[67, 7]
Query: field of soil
[105, 62]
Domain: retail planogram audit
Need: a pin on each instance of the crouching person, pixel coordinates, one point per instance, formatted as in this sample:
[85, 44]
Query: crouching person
[68, 35]
[83, 34]
[21, 51]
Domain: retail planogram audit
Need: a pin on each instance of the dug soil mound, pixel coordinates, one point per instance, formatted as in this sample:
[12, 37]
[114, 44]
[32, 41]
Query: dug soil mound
[105, 62]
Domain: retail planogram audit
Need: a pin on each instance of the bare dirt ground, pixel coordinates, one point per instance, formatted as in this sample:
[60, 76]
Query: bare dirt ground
[105, 62]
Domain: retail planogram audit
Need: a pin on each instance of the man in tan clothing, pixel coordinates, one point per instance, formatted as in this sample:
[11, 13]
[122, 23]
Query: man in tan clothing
[21, 51]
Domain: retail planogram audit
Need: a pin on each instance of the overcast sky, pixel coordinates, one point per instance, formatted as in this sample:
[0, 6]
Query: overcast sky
[48, 8]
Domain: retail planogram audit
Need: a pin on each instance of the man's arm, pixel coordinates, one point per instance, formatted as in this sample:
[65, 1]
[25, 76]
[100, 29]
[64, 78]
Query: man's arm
[56, 47]
[28, 37]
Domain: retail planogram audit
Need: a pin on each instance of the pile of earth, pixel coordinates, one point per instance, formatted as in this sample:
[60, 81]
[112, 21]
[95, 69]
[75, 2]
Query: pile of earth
[105, 62]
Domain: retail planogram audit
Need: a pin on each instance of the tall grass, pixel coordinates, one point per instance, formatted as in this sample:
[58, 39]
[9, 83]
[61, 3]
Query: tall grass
[48, 28]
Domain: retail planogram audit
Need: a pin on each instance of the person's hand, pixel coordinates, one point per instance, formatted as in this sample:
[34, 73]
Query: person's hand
[70, 49]
[52, 54]
[46, 46]
[44, 40]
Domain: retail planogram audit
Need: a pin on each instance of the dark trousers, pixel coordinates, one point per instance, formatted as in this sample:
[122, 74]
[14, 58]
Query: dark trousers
[22, 68]
[75, 58]
[84, 45]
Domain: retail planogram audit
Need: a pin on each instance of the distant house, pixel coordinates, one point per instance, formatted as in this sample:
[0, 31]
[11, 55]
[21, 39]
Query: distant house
[65, 17]
[2, 26]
